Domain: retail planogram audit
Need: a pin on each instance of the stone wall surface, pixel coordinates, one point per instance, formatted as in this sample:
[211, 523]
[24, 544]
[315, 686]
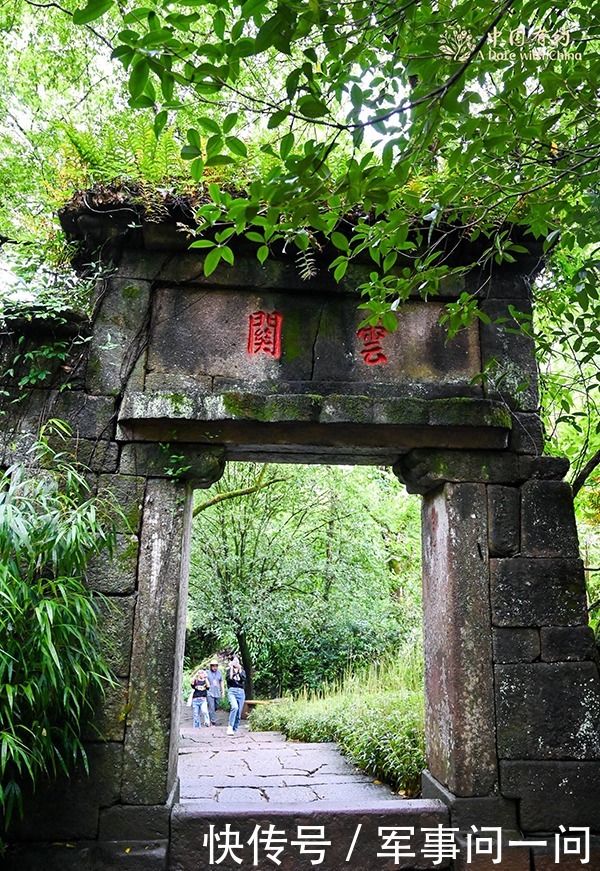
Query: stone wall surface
[166, 390]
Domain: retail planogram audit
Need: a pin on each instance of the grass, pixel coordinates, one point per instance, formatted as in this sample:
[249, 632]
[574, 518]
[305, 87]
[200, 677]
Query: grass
[376, 716]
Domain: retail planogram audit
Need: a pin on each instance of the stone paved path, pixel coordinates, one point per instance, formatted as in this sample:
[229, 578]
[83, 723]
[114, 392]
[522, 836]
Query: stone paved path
[255, 769]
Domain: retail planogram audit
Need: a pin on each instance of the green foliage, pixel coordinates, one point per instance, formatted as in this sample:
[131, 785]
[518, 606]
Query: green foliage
[375, 715]
[51, 668]
[391, 135]
[311, 567]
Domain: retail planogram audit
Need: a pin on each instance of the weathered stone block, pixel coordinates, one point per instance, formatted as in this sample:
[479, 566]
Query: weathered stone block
[116, 631]
[423, 470]
[151, 740]
[504, 517]
[514, 378]
[560, 643]
[138, 264]
[543, 468]
[460, 718]
[502, 284]
[548, 711]
[98, 456]
[120, 335]
[526, 435]
[135, 822]
[492, 810]
[128, 491]
[542, 592]
[90, 417]
[516, 645]
[554, 793]
[68, 808]
[205, 333]
[548, 526]
[115, 576]
[201, 466]
[109, 719]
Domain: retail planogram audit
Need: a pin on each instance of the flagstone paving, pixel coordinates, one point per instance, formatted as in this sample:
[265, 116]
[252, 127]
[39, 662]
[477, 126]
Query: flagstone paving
[262, 768]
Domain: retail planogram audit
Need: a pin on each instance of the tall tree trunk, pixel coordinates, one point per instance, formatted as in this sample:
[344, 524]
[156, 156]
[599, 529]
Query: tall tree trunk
[246, 662]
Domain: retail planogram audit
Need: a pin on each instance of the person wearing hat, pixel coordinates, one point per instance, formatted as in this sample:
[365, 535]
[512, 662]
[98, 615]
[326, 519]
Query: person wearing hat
[216, 690]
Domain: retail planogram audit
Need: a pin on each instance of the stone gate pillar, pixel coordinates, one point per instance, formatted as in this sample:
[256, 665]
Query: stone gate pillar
[152, 731]
[512, 673]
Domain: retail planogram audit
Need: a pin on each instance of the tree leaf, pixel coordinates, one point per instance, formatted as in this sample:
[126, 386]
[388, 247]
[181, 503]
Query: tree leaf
[236, 146]
[138, 77]
[211, 261]
[277, 118]
[94, 9]
[210, 125]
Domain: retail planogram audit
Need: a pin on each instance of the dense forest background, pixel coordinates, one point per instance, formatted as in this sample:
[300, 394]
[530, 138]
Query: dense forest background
[314, 572]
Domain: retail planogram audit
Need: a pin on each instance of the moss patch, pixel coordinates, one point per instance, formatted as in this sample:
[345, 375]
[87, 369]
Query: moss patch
[272, 408]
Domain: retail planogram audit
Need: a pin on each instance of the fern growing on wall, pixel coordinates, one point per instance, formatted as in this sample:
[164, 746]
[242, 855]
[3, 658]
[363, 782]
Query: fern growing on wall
[132, 151]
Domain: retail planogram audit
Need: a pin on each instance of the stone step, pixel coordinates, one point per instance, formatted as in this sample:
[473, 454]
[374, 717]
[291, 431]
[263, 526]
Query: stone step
[352, 837]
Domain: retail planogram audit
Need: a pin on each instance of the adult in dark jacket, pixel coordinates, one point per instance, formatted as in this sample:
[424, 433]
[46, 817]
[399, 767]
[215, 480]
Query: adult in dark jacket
[236, 692]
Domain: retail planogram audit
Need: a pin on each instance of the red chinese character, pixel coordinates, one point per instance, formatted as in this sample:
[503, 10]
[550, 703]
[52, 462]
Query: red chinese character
[264, 333]
[371, 337]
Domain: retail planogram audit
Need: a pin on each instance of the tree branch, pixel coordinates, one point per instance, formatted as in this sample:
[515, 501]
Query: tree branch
[232, 494]
[585, 473]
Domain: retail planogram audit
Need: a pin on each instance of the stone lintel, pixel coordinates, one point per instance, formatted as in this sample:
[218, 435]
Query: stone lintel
[314, 402]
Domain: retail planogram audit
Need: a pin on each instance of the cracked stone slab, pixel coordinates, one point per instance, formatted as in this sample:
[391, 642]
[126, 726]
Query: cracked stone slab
[320, 778]
[241, 795]
[261, 768]
[358, 793]
[279, 795]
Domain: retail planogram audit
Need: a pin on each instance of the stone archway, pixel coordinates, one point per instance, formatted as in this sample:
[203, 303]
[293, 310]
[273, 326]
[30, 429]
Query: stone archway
[184, 372]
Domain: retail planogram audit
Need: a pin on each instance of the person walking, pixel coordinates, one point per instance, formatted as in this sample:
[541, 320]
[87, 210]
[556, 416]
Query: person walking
[200, 686]
[216, 690]
[236, 693]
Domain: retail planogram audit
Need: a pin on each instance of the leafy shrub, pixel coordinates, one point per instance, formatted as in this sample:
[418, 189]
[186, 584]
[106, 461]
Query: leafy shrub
[375, 716]
[51, 665]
